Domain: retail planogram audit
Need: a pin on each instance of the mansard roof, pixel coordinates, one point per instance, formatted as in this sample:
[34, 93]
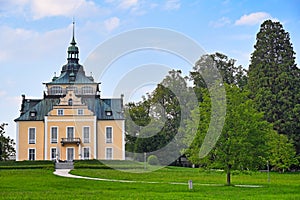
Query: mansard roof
[98, 106]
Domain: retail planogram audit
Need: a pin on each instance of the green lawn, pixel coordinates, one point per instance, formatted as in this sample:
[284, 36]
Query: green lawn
[42, 184]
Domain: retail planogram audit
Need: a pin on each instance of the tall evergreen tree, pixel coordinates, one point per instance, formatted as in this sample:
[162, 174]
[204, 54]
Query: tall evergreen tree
[274, 80]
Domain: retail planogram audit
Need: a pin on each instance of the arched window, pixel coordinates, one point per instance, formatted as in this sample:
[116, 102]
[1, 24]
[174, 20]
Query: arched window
[87, 90]
[56, 90]
[70, 102]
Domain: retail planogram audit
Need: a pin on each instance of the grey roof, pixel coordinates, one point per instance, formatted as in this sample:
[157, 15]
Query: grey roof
[98, 106]
[79, 77]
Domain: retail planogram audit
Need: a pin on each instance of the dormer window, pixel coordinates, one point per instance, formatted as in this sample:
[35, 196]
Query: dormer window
[108, 113]
[33, 113]
[70, 102]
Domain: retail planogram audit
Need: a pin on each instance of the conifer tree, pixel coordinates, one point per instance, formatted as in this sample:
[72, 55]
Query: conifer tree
[274, 80]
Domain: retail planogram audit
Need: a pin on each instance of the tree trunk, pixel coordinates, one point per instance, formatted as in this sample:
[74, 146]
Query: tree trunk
[228, 175]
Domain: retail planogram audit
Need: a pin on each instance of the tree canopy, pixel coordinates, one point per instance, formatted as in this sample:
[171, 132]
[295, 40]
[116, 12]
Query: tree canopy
[274, 80]
[6, 145]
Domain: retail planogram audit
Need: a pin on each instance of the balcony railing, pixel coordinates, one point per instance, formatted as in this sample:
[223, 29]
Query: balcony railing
[70, 141]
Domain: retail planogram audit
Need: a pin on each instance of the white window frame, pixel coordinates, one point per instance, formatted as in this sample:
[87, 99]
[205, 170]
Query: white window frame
[51, 153]
[67, 131]
[30, 141]
[60, 112]
[80, 111]
[112, 153]
[89, 153]
[83, 136]
[33, 154]
[51, 138]
[107, 141]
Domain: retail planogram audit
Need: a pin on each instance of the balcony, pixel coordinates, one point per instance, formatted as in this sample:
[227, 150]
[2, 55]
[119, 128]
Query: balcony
[70, 141]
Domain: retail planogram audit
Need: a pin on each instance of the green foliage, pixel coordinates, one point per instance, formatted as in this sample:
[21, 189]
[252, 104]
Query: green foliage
[6, 145]
[283, 154]
[242, 144]
[43, 164]
[206, 67]
[153, 123]
[153, 160]
[107, 164]
[274, 80]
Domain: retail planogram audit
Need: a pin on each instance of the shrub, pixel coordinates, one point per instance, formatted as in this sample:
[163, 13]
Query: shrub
[153, 160]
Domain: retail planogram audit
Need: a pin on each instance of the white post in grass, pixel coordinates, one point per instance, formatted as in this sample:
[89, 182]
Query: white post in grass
[190, 184]
[145, 160]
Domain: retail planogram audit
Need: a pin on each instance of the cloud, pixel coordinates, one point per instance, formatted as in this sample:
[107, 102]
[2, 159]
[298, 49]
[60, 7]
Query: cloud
[112, 23]
[172, 5]
[47, 8]
[220, 22]
[126, 4]
[253, 18]
[38, 9]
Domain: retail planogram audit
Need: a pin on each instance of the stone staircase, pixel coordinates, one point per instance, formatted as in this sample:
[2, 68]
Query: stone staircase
[64, 165]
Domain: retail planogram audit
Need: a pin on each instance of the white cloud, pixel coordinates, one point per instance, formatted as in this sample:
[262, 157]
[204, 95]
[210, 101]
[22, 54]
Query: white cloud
[46, 8]
[253, 18]
[172, 5]
[37, 9]
[220, 22]
[112, 23]
[126, 4]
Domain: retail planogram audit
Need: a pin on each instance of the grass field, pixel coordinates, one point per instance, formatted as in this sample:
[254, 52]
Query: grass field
[42, 184]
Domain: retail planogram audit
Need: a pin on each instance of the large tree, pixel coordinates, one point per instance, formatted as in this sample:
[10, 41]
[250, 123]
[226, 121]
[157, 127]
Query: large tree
[243, 143]
[6, 144]
[158, 117]
[274, 80]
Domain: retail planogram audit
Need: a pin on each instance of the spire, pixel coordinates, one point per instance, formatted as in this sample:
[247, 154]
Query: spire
[73, 51]
[73, 38]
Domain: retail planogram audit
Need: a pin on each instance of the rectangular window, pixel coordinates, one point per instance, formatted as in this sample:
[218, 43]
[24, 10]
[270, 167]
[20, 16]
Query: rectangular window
[31, 154]
[60, 112]
[80, 111]
[86, 153]
[70, 132]
[31, 135]
[109, 134]
[53, 153]
[109, 153]
[54, 134]
[86, 134]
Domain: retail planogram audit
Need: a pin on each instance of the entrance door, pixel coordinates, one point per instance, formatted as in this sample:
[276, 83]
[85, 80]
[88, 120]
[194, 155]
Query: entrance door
[70, 154]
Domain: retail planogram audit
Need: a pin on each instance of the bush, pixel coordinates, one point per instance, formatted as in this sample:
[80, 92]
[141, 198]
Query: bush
[153, 160]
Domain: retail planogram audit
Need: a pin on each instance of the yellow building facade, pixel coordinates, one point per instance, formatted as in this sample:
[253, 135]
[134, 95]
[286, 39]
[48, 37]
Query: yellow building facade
[72, 121]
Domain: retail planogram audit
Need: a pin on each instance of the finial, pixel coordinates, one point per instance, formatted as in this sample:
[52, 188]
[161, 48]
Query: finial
[73, 38]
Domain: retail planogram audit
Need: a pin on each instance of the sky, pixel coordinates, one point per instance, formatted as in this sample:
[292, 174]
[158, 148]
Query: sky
[35, 34]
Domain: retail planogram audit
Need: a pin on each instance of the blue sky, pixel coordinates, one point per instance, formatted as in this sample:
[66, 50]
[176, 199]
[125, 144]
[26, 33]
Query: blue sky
[34, 36]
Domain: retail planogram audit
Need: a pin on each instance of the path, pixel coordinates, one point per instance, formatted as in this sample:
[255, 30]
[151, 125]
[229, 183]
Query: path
[66, 173]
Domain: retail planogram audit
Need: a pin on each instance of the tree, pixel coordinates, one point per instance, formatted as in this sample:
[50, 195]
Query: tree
[230, 73]
[243, 142]
[274, 80]
[6, 145]
[282, 153]
[159, 119]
